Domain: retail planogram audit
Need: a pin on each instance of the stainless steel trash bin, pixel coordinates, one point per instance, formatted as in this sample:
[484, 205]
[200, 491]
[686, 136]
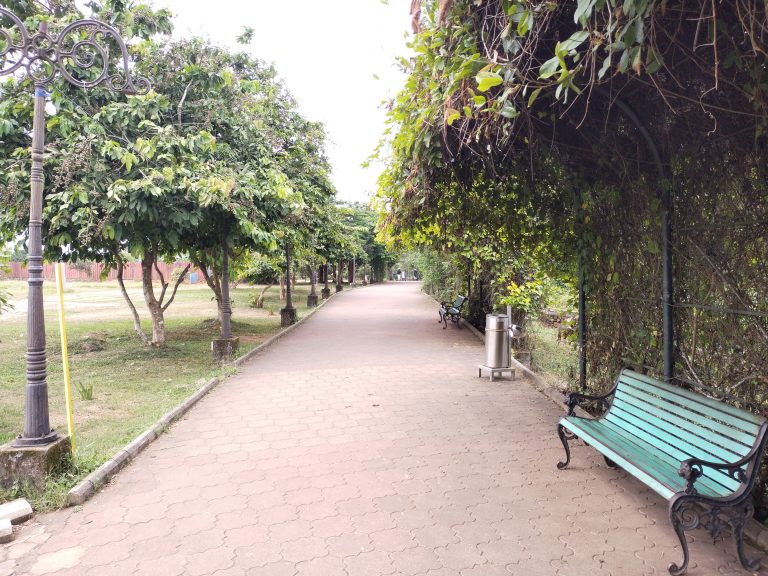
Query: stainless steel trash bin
[497, 341]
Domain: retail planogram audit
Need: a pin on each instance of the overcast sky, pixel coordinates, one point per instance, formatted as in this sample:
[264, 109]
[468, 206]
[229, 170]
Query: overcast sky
[329, 53]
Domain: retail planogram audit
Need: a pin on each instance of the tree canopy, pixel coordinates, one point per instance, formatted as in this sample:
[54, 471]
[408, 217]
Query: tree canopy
[529, 133]
[215, 158]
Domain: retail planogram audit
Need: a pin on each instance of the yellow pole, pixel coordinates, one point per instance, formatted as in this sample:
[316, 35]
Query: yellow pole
[65, 354]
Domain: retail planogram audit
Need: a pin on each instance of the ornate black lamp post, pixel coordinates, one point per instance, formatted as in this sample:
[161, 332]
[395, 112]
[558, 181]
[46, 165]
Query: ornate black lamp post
[79, 54]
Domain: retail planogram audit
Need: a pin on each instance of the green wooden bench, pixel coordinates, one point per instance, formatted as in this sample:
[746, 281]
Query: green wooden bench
[451, 311]
[700, 454]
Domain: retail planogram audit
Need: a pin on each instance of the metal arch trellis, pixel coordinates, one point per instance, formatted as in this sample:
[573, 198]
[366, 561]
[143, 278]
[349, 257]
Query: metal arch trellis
[81, 48]
[666, 250]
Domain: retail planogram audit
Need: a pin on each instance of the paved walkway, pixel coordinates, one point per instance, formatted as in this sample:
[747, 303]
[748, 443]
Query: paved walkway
[363, 444]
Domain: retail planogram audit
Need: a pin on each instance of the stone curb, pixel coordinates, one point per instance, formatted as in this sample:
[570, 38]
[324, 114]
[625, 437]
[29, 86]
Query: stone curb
[755, 532]
[96, 479]
[6, 531]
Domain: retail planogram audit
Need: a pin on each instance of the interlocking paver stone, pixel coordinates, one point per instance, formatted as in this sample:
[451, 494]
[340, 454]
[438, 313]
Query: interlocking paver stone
[361, 444]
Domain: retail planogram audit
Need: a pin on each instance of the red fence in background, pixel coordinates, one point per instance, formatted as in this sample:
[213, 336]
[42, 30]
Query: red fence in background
[91, 271]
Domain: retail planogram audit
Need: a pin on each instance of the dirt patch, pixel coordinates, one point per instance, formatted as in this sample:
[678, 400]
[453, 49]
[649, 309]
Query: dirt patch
[91, 342]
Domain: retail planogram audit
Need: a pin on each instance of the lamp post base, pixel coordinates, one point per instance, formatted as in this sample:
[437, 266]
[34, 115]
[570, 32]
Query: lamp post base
[339, 287]
[287, 316]
[22, 442]
[311, 300]
[32, 464]
[224, 348]
[325, 293]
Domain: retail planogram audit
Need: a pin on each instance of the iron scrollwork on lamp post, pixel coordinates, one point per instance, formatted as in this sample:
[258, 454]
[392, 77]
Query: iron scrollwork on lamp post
[80, 54]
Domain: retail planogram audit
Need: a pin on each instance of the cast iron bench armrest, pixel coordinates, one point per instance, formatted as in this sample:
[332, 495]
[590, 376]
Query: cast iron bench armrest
[692, 468]
[573, 399]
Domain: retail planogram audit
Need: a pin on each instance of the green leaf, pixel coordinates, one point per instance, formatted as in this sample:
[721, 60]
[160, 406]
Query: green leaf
[574, 41]
[583, 10]
[533, 96]
[624, 61]
[549, 68]
[525, 23]
[509, 111]
[487, 80]
[604, 68]
[637, 58]
[128, 160]
[654, 62]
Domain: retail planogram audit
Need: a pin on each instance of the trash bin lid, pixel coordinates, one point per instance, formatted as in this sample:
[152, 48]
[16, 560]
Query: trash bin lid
[496, 322]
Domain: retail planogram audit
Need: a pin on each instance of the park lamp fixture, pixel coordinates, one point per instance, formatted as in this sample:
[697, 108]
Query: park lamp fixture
[80, 54]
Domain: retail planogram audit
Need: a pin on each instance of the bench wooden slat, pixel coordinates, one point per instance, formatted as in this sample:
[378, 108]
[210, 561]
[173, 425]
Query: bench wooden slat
[677, 447]
[680, 416]
[597, 441]
[640, 460]
[648, 457]
[731, 450]
[677, 452]
[695, 410]
[695, 401]
[654, 459]
[723, 446]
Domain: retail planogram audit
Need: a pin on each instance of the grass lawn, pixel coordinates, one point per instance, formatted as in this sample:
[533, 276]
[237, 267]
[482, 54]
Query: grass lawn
[557, 362]
[132, 385]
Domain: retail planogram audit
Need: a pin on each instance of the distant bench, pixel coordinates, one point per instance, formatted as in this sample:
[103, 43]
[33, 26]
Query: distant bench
[451, 311]
[701, 455]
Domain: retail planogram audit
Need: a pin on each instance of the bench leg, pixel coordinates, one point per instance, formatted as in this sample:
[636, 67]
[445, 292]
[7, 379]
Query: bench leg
[743, 514]
[688, 512]
[684, 515]
[564, 439]
[611, 463]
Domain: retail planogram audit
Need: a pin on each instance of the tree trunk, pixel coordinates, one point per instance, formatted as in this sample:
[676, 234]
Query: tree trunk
[134, 313]
[282, 287]
[339, 281]
[260, 299]
[225, 307]
[213, 279]
[312, 280]
[153, 305]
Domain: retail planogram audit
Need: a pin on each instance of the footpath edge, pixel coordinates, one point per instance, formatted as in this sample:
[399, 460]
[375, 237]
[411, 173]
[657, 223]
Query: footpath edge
[89, 485]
